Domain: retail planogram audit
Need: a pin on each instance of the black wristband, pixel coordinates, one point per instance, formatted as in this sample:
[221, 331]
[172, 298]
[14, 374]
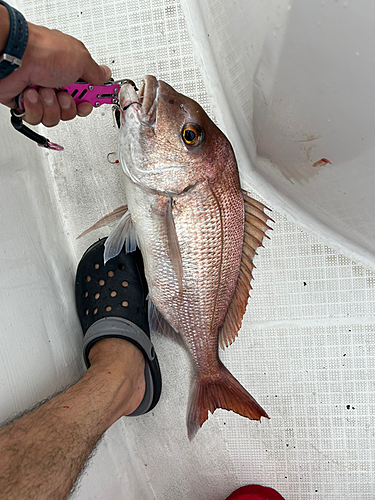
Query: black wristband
[10, 60]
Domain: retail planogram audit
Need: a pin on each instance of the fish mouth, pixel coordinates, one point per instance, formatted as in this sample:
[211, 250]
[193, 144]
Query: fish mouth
[144, 103]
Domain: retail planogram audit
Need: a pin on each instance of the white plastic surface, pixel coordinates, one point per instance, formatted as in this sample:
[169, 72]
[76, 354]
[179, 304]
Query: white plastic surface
[40, 336]
[306, 350]
[293, 83]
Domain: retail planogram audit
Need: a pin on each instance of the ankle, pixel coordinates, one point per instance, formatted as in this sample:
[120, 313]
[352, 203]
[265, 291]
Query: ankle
[114, 351]
[120, 365]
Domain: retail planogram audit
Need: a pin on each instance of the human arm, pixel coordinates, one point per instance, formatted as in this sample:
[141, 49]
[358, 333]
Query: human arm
[43, 452]
[51, 59]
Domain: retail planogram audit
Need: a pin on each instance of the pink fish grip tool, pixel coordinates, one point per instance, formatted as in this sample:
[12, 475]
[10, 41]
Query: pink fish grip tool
[81, 92]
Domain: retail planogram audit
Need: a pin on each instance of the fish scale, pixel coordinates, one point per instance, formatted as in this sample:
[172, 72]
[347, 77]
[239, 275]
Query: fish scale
[202, 242]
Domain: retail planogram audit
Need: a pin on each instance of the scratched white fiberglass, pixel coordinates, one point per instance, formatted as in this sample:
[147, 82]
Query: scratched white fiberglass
[306, 351]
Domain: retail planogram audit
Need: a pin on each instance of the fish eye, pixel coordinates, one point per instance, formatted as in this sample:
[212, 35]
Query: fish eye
[192, 134]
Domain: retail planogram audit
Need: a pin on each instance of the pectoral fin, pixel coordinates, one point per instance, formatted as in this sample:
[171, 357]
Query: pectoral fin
[173, 249]
[255, 231]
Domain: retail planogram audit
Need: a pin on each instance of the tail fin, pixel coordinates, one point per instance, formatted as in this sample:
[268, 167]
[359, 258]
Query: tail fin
[222, 392]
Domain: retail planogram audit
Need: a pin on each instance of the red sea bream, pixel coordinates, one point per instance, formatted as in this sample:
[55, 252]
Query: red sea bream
[198, 232]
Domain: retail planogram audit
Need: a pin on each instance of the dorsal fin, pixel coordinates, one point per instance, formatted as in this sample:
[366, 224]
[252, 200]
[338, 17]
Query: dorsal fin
[107, 219]
[255, 231]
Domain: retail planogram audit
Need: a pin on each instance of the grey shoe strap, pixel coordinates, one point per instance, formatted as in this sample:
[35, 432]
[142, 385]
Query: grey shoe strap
[114, 327]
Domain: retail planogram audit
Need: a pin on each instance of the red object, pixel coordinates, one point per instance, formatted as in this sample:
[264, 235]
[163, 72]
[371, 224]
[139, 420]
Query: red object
[255, 492]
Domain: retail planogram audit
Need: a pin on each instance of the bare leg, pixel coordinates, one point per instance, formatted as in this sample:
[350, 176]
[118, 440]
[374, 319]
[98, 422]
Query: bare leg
[43, 452]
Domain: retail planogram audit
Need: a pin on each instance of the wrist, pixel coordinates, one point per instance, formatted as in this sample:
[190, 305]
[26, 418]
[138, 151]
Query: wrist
[37, 45]
[11, 58]
[4, 27]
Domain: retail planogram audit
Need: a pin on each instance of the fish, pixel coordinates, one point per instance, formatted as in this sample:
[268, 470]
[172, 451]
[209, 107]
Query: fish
[198, 232]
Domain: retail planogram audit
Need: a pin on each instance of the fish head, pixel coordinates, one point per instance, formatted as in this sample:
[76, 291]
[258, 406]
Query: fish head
[167, 143]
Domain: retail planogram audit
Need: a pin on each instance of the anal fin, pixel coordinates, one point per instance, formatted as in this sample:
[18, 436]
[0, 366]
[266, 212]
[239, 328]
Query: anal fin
[157, 323]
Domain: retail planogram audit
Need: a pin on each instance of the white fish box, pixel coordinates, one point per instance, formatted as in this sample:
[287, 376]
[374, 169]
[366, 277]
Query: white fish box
[292, 85]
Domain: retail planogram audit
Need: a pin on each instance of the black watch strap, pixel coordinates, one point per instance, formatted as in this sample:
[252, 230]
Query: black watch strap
[10, 60]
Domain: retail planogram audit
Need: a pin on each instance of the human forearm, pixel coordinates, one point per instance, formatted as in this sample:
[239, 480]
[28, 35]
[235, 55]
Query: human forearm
[43, 452]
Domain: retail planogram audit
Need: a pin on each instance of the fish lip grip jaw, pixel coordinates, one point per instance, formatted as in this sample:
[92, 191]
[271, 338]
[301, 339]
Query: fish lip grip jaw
[81, 91]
